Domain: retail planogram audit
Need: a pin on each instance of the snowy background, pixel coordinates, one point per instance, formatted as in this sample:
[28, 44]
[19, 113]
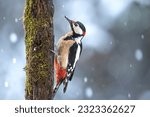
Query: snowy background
[115, 62]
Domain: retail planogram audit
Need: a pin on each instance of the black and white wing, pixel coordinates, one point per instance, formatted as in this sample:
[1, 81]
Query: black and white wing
[74, 54]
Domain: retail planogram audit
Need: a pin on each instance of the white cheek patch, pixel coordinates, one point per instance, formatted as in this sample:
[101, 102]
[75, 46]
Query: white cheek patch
[77, 30]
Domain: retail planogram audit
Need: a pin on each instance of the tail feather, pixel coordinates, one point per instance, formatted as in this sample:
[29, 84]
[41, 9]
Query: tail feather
[57, 87]
[65, 85]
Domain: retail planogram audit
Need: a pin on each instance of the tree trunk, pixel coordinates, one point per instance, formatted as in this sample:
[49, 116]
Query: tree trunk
[39, 40]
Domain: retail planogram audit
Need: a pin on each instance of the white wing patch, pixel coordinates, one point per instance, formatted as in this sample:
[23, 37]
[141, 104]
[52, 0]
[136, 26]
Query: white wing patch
[77, 55]
[71, 67]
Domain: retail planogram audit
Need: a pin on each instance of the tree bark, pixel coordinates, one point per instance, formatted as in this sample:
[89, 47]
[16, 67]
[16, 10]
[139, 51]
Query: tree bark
[39, 40]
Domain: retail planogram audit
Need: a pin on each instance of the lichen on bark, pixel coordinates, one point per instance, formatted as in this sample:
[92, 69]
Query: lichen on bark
[39, 40]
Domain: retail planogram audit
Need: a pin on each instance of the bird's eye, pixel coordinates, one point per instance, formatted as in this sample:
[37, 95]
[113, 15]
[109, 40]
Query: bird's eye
[75, 24]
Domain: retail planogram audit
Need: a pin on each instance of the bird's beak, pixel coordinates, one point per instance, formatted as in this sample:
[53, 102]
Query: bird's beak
[70, 21]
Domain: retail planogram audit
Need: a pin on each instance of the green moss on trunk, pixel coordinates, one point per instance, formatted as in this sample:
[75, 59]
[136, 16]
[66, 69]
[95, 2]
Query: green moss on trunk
[39, 39]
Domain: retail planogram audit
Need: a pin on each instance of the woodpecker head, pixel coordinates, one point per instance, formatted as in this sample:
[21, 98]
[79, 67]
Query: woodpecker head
[77, 27]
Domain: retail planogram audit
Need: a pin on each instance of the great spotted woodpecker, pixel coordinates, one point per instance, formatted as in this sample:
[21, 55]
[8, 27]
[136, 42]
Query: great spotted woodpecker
[69, 48]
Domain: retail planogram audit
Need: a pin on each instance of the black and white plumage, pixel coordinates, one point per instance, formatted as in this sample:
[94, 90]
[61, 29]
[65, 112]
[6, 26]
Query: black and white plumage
[69, 49]
[74, 54]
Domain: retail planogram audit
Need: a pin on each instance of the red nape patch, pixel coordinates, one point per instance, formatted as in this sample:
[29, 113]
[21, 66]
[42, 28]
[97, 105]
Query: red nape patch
[84, 33]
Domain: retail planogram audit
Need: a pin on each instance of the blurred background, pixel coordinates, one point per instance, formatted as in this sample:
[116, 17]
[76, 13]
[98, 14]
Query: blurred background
[115, 62]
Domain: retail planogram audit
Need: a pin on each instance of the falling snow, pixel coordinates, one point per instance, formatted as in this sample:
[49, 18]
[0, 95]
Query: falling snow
[104, 68]
[89, 92]
[131, 65]
[138, 55]
[14, 60]
[85, 79]
[4, 18]
[13, 37]
[16, 20]
[6, 84]
[142, 36]
[2, 50]
[129, 95]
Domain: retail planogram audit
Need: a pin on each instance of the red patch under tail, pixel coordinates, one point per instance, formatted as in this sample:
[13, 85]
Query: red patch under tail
[60, 72]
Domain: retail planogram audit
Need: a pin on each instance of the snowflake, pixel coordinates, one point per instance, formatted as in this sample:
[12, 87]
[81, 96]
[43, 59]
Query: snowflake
[89, 92]
[2, 50]
[13, 37]
[131, 65]
[142, 36]
[16, 20]
[129, 95]
[6, 84]
[138, 55]
[14, 60]
[85, 79]
[4, 18]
